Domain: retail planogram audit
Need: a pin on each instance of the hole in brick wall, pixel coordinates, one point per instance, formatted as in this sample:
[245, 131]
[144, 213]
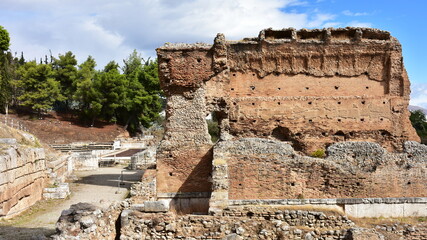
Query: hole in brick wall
[310, 120]
[381, 119]
[213, 122]
[277, 120]
[278, 34]
[385, 133]
[278, 88]
[170, 174]
[409, 183]
[234, 74]
[339, 102]
[340, 133]
[234, 103]
[170, 155]
[254, 121]
[267, 218]
[278, 103]
[313, 35]
[342, 34]
[337, 87]
[250, 214]
[323, 134]
[309, 103]
[240, 184]
[232, 89]
[351, 134]
[233, 121]
[367, 87]
[375, 35]
[363, 102]
[284, 134]
[307, 88]
[384, 102]
[293, 184]
[253, 74]
[362, 119]
[252, 87]
[253, 103]
[358, 184]
[199, 60]
[339, 120]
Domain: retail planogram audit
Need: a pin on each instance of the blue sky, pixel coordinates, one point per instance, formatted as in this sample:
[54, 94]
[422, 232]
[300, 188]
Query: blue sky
[111, 29]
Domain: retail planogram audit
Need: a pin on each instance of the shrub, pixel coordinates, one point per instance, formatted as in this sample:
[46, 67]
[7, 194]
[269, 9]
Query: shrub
[319, 153]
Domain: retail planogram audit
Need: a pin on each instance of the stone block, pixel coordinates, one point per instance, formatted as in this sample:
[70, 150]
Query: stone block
[156, 206]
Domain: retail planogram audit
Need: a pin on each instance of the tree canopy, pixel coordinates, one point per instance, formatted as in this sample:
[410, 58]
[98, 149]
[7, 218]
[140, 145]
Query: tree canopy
[128, 95]
[418, 120]
[4, 39]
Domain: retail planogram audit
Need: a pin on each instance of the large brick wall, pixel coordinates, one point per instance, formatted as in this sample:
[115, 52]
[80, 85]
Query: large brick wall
[309, 88]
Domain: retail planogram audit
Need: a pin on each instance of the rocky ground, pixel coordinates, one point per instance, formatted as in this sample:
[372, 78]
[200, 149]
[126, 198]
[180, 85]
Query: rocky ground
[100, 187]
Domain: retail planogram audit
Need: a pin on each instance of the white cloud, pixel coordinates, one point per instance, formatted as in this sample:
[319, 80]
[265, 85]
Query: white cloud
[419, 95]
[354, 14]
[359, 24]
[110, 30]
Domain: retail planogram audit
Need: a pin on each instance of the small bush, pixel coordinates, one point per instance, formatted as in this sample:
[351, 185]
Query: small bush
[319, 153]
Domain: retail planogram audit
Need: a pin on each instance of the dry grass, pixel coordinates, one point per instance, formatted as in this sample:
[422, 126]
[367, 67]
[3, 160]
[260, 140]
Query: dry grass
[30, 213]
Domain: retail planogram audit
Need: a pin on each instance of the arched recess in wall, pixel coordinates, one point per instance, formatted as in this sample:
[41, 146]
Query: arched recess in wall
[284, 134]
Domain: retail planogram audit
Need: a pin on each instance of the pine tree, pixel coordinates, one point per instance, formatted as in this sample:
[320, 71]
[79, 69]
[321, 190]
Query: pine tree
[40, 89]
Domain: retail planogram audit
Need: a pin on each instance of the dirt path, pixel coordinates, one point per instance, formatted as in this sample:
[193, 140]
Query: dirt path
[98, 187]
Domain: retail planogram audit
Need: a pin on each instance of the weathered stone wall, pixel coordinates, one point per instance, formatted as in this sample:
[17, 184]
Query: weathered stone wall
[310, 88]
[145, 190]
[85, 161]
[253, 168]
[86, 221]
[22, 178]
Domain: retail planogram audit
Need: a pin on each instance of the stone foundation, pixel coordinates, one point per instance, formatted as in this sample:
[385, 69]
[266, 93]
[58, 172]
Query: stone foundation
[22, 178]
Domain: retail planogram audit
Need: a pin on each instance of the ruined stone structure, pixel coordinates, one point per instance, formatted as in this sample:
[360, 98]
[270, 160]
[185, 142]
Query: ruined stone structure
[277, 97]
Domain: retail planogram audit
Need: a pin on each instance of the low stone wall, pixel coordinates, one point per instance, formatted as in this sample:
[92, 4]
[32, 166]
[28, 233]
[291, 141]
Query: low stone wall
[352, 207]
[85, 161]
[22, 178]
[145, 190]
[57, 192]
[264, 224]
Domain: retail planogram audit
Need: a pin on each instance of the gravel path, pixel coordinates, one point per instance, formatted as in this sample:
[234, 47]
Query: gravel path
[99, 187]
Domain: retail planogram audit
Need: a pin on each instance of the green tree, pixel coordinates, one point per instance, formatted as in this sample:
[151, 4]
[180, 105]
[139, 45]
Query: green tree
[5, 75]
[87, 96]
[143, 96]
[418, 120]
[66, 73]
[112, 86]
[40, 89]
[4, 39]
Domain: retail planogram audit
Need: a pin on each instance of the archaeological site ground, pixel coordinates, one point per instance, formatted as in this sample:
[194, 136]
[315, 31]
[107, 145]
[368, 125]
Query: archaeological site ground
[315, 142]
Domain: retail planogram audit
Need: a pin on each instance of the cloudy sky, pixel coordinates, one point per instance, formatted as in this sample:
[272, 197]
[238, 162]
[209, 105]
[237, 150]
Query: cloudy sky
[111, 29]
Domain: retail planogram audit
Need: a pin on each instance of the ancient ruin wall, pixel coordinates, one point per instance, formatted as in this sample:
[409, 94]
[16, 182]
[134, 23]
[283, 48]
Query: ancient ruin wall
[22, 178]
[310, 88]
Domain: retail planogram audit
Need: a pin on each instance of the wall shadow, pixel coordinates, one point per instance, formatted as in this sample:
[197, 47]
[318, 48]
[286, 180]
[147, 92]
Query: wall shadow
[199, 178]
[24, 233]
[112, 180]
